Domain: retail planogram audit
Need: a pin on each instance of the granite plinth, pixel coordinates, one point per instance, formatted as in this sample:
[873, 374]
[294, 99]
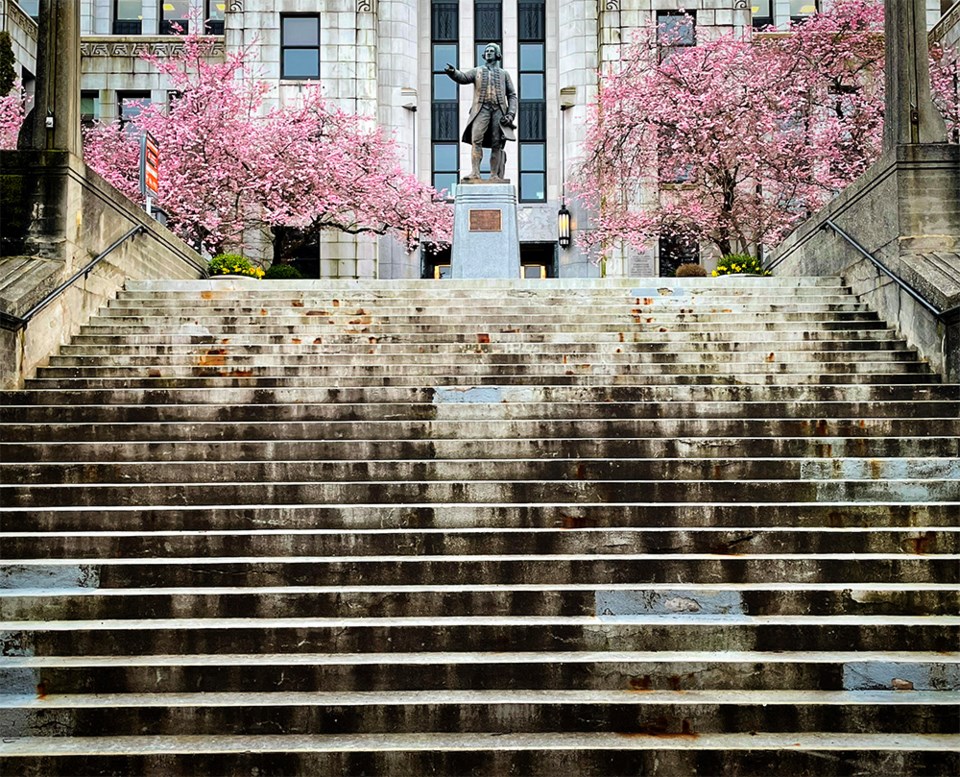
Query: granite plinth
[486, 243]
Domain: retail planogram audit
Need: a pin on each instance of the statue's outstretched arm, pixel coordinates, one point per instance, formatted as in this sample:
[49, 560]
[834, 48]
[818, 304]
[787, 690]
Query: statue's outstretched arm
[457, 75]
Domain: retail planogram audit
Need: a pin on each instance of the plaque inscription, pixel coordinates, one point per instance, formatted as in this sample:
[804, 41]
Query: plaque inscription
[485, 221]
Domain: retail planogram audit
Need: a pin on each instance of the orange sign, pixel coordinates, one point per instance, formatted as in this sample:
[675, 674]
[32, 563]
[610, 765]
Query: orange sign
[151, 165]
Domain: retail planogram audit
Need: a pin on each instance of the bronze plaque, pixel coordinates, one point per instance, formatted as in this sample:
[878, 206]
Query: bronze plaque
[485, 221]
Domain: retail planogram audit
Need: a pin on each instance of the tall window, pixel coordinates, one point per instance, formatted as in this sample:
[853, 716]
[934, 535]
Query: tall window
[801, 9]
[445, 121]
[174, 17]
[762, 13]
[127, 17]
[89, 107]
[129, 105]
[675, 30]
[215, 16]
[533, 101]
[487, 26]
[300, 46]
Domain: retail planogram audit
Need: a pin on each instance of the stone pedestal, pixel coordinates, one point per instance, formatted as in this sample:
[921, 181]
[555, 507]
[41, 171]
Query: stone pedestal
[485, 237]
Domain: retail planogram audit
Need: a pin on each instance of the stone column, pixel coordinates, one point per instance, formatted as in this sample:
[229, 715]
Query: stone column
[58, 79]
[910, 115]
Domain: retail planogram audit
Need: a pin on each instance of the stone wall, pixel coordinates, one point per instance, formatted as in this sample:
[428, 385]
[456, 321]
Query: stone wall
[58, 215]
[905, 211]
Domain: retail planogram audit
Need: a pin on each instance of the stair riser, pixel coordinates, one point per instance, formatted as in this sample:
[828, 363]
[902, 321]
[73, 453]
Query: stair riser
[482, 717]
[653, 760]
[458, 516]
[141, 602]
[468, 411]
[193, 573]
[504, 542]
[492, 492]
[487, 429]
[274, 676]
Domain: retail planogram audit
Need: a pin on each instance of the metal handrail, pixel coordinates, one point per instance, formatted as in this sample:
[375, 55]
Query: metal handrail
[15, 323]
[939, 314]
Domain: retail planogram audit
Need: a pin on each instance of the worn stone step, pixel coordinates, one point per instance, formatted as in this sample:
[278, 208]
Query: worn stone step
[922, 712]
[690, 600]
[467, 408]
[479, 449]
[485, 753]
[477, 429]
[597, 567]
[502, 541]
[488, 492]
[604, 670]
[466, 470]
[221, 356]
[854, 335]
[318, 367]
[875, 394]
[434, 350]
[462, 515]
[143, 637]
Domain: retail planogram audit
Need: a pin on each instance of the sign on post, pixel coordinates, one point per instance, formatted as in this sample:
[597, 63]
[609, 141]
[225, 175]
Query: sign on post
[149, 169]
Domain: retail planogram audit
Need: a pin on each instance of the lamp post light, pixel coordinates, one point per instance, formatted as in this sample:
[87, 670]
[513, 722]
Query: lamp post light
[563, 226]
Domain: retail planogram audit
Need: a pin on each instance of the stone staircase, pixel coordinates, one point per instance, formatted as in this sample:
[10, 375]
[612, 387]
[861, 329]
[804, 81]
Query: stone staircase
[698, 527]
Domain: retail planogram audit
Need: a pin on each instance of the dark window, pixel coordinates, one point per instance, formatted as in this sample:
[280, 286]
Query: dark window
[801, 9]
[677, 250]
[129, 105]
[675, 30]
[174, 17]
[444, 22]
[487, 26]
[89, 107]
[532, 118]
[216, 10]
[445, 119]
[127, 17]
[762, 13]
[300, 47]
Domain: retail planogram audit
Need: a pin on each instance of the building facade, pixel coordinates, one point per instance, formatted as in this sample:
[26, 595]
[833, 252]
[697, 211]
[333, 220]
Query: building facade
[384, 59]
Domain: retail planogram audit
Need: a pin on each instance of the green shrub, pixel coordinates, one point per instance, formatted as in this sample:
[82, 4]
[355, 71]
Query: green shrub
[233, 264]
[691, 270]
[280, 271]
[740, 264]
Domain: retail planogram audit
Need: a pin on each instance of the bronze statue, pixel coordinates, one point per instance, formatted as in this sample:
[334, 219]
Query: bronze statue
[494, 108]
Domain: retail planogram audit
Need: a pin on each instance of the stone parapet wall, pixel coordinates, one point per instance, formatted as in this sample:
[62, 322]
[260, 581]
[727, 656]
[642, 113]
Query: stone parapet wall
[58, 215]
[905, 211]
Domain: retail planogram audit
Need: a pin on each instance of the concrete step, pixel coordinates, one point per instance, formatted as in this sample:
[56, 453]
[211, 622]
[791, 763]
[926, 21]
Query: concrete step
[240, 378]
[201, 636]
[469, 409]
[759, 371]
[484, 753]
[412, 470]
[465, 542]
[875, 394]
[817, 447]
[437, 601]
[451, 363]
[532, 711]
[398, 515]
[485, 429]
[602, 670]
[480, 492]
[390, 570]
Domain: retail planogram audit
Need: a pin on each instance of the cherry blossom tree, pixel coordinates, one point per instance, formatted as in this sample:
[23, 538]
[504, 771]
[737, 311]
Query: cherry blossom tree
[229, 164]
[12, 107]
[735, 140]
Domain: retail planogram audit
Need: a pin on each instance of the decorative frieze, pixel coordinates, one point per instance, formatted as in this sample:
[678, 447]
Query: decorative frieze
[126, 47]
[20, 19]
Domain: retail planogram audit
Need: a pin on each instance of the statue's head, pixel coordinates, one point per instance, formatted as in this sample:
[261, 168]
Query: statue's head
[492, 53]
